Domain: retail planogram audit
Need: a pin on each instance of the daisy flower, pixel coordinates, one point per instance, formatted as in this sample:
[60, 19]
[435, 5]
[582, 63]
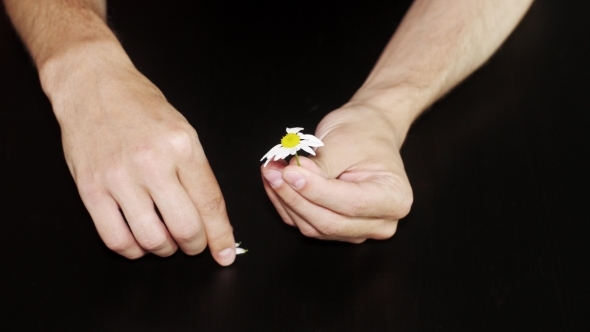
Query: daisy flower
[239, 250]
[291, 143]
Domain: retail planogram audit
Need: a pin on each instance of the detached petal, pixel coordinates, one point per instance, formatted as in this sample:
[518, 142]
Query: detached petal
[240, 251]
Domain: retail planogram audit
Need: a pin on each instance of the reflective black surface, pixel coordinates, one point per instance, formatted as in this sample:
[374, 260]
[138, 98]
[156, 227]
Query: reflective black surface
[497, 236]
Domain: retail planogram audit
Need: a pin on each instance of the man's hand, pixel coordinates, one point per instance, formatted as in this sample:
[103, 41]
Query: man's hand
[354, 189]
[132, 155]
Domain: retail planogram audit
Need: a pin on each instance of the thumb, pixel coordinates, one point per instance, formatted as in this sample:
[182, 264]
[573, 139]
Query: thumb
[355, 199]
[339, 153]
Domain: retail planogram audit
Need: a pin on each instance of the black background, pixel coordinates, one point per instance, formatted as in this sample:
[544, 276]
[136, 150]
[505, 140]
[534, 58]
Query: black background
[497, 236]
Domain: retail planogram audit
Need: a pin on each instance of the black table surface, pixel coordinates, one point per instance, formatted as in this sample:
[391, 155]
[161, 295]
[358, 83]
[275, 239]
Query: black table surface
[497, 235]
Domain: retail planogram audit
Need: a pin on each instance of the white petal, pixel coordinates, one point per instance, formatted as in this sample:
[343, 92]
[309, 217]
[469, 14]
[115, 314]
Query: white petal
[294, 130]
[271, 152]
[282, 154]
[311, 138]
[307, 149]
[313, 143]
[285, 153]
[240, 251]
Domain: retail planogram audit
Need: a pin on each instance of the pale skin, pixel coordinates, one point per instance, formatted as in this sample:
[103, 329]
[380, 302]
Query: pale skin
[128, 149]
[125, 145]
[356, 187]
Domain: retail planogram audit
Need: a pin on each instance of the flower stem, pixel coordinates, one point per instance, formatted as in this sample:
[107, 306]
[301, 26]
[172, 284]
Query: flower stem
[297, 157]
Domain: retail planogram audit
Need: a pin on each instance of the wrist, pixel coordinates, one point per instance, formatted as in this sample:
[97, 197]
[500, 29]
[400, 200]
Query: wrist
[64, 73]
[400, 105]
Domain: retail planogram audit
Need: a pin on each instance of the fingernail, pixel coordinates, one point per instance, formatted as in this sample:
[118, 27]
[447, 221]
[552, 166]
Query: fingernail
[226, 256]
[273, 177]
[295, 179]
[226, 252]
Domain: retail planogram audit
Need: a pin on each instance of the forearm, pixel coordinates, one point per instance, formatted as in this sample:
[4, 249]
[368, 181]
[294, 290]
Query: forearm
[437, 45]
[64, 37]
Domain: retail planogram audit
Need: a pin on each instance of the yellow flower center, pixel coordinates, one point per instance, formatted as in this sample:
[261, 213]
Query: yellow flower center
[290, 141]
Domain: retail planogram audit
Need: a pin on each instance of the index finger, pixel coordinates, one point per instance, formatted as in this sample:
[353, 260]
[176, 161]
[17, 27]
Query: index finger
[200, 184]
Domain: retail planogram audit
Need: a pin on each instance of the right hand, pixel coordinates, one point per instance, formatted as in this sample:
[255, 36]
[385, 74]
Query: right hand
[354, 189]
[129, 152]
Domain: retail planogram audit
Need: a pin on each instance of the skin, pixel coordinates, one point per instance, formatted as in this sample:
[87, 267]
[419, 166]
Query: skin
[129, 150]
[356, 187]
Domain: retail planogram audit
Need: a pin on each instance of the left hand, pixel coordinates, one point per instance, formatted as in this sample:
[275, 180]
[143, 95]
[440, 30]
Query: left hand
[356, 187]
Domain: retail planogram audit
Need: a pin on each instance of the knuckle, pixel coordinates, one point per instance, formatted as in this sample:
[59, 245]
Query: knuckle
[399, 200]
[402, 205]
[154, 242]
[89, 189]
[186, 233]
[134, 255]
[220, 236]
[386, 232]
[118, 244]
[405, 206]
[356, 208]
[146, 157]
[181, 140]
[212, 205]
[197, 249]
[329, 229]
[115, 175]
[309, 232]
[291, 200]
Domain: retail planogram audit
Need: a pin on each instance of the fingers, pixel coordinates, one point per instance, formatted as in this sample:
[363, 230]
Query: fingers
[317, 221]
[188, 198]
[180, 215]
[199, 182]
[110, 224]
[145, 232]
[378, 197]
[144, 222]
[273, 175]
[274, 198]
[289, 216]
[332, 225]
[132, 144]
